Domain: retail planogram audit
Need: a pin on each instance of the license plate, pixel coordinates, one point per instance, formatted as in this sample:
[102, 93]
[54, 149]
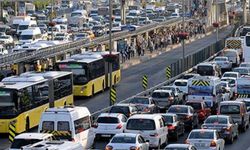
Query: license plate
[200, 144]
[106, 135]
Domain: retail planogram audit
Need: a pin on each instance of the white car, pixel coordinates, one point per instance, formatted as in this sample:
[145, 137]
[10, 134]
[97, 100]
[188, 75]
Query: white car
[150, 126]
[29, 138]
[6, 39]
[128, 141]
[182, 85]
[245, 64]
[223, 62]
[109, 124]
[205, 139]
[180, 147]
[228, 93]
[231, 74]
[231, 81]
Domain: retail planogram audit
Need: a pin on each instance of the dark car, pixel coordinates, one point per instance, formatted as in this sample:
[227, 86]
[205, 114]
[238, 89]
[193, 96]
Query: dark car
[175, 126]
[126, 109]
[225, 126]
[144, 104]
[186, 114]
[98, 30]
[201, 108]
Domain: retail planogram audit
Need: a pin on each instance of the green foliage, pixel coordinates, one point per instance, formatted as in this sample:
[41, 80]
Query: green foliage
[41, 4]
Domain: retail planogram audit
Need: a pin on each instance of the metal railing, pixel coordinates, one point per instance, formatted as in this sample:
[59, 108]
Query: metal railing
[75, 45]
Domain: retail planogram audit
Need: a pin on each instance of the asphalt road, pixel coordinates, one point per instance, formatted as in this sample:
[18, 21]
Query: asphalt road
[154, 68]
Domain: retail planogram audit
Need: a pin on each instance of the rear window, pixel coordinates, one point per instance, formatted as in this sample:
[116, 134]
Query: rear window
[160, 95]
[241, 70]
[244, 65]
[48, 126]
[63, 126]
[205, 70]
[107, 120]
[178, 110]
[229, 109]
[123, 140]
[196, 106]
[201, 135]
[168, 119]
[230, 75]
[220, 59]
[178, 83]
[141, 124]
[216, 120]
[138, 100]
[120, 109]
[18, 143]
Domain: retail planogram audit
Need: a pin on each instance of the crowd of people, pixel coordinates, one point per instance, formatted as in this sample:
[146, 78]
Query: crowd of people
[162, 39]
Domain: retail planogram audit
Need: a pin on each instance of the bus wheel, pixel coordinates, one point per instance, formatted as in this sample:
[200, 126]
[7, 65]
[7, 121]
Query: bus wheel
[115, 80]
[64, 104]
[27, 125]
[93, 90]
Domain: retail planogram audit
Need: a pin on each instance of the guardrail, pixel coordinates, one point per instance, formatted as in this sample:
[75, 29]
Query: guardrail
[69, 47]
[181, 67]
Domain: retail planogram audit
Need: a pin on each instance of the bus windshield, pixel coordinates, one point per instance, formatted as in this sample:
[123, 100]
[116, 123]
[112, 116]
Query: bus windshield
[7, 102]
[79, 72]
[200, 90]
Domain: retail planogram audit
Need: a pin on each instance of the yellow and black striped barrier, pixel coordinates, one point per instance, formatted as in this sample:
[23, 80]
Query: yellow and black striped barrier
[113, 96]
[145, 82]
[200, 83]
[168, 72]
[243, 96]
[12, 131]
[58, 133]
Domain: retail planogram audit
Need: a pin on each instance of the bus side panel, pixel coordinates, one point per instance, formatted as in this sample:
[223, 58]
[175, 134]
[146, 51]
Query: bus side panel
[116, 76]
[68, 100]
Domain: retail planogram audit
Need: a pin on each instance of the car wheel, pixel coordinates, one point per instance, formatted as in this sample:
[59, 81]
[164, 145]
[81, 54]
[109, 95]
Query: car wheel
[237, 135]
[176, 136]
[231, 140]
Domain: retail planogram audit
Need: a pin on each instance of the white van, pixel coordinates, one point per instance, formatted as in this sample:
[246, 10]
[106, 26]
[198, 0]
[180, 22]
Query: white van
[29, 138]
[233, 56]
[68, 123]
[54, 145]
[30, 35]
[25, 25]
[150, 126]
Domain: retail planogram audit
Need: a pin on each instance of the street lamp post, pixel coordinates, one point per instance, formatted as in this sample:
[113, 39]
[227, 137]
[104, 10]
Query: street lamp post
[183, 30]
[110, 47]
[217, 21]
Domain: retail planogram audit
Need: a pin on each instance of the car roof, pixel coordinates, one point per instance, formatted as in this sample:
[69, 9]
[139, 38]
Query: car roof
[144, 116]
[167, 114]
[231, 102]
[163, 91]
[178, 145]
[195, 101]
[124, 104]
[231, 72]
[180, 106]
[200, 130]
[126, 134]
[33, 136]
[233, 78]
[221, 57]
[181, 80]
[116, 115]
[224, 116]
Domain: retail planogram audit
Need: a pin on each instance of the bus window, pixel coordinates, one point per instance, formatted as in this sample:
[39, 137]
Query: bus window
[62, 87]
[8, 103]
[41, 93]
[26, 98]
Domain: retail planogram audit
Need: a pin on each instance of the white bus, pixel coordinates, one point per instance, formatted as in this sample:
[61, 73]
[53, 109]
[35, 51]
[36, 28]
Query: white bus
[246, 48]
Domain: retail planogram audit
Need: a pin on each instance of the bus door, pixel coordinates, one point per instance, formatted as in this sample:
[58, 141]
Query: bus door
[106, 74]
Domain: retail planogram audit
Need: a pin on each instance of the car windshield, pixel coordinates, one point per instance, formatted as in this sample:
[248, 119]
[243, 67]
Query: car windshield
[180, 83]
[160, 95]
[138, 100]
[245, 65]
[201, 135]
[196, 106]
[26, 37]
[216, 120]
[19, 143]
[23, 27]
[178, 110]
[200, 90]
[205, 70]
[230, 81]
[76, 14]
[141, 124]
[123, 139]
[8, 99]
[107, 120]
[243, 71]
[220, 59]
[229, 109]
[119, 109]
[230, 75]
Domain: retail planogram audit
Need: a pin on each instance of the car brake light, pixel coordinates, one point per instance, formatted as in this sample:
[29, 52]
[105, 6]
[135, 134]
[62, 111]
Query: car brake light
[119, 126]
[213, 144]
[134, 148]
[227, 128]
[171, 127]
[154, 134]
[108, 147]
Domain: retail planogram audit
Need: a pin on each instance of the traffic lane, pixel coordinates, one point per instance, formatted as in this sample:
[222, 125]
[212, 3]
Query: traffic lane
[242, 143]
[154, 68]
[4, 143]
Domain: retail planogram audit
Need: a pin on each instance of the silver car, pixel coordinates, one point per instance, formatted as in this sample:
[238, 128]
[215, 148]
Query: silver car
[225, 126]
[205, 139]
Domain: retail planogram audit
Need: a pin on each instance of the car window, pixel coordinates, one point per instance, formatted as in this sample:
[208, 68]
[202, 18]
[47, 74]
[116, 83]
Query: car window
[138, 100]
[196, 106]
[178, 110]
[123, 139]
[160, 95]
[140, 139]
[141, 124]
[107, 120]
[201, 135]
[229, 109]
[63, 126]
[216, 120]
[120, 109]
[161, 123]
[48, 126]
[180, 83]
[191, 110]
